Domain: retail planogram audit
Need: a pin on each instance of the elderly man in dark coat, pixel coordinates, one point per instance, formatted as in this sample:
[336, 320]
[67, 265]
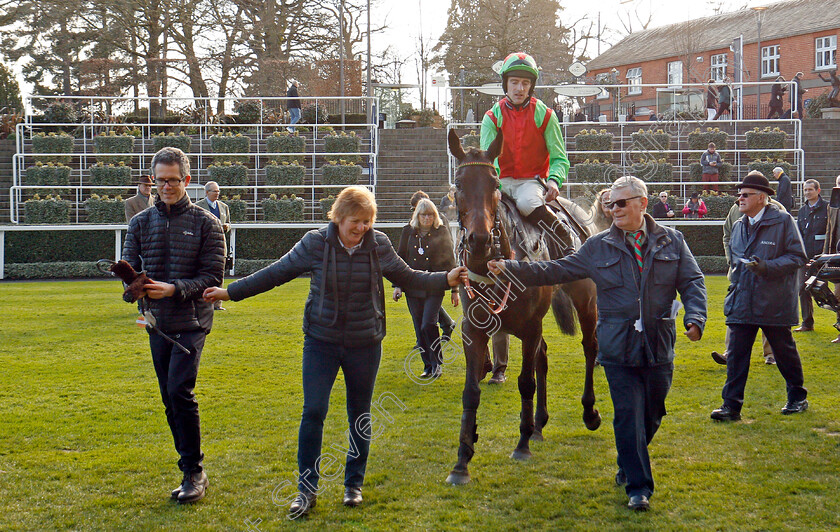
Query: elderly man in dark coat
[638, 267]
[766, 252]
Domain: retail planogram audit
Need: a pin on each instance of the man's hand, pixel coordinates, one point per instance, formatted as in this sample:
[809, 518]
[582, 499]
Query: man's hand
[496, 266]
[670, 214]
[397, 293]
[758, 266]
[693, 332]
[159, 290]
[455, 299]
[225, 227]
[552, 191]
[214, 293]
[454, 275]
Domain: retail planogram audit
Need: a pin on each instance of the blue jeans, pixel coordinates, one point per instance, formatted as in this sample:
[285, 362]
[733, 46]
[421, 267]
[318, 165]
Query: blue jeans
[294, 115]
[321, 362]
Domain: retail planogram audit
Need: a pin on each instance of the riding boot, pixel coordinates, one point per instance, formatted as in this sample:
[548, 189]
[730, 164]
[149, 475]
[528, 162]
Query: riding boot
[547, 221]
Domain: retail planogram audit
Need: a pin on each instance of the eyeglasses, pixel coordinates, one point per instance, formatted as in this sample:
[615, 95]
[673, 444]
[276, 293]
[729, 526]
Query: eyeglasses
[619, 203]
[746, 195]
[172, 181]
[664, 196]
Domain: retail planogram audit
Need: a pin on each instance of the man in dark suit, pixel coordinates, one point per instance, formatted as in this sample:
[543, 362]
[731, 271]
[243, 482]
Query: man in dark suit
[812, 222]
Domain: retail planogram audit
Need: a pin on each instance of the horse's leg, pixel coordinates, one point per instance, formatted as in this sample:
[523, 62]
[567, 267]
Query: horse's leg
[527, 385]
[475, 349]
[583, 294]
[541, 415]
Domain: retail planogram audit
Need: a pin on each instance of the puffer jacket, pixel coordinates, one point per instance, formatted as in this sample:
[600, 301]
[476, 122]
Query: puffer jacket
[771, 299]
[346, 303]
[185, 247]
[669, 267]
[438, 254]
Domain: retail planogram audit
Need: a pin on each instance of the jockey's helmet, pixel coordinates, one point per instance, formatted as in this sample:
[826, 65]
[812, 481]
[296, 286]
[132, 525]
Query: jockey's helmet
[519, 64]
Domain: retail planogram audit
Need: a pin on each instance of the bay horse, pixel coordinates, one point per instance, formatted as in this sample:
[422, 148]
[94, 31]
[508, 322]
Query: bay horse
[490, 230]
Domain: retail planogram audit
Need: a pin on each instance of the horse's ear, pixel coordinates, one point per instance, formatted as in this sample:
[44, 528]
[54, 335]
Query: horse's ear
[495, 148]
[455, 147]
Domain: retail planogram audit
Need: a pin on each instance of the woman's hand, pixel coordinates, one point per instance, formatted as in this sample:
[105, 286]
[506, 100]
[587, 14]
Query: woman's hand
[454, 275]
[397, 293]
[455, 299]
[214, 293]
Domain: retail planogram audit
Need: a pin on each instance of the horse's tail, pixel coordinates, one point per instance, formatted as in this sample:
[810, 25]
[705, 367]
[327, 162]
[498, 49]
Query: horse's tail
[564, 312]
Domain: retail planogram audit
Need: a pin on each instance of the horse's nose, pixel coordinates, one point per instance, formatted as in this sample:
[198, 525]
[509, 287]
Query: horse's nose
[478, 241]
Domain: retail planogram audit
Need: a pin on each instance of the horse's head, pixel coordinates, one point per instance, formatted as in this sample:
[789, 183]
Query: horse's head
[478, 194]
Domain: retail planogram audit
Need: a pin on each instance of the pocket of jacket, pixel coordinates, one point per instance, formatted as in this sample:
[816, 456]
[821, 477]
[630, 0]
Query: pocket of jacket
[617, 341]
[609, 272]
[665, 268]
[666, 337]
[729, 300]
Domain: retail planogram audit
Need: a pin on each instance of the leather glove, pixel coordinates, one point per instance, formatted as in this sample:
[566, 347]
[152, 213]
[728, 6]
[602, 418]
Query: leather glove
[758, 266]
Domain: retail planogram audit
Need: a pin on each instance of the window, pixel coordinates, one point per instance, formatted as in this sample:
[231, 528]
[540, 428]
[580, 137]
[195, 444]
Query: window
[718, 67]
[634, 79]
[770, 61]
[826, 52]
[675, 73]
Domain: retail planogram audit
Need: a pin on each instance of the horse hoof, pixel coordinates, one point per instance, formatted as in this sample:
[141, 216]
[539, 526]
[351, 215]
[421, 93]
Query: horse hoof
[457, 478]
[521, 455]
[537, 436]
[592, 422]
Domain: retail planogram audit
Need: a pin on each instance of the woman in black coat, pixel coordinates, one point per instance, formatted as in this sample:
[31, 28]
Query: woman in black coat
[426, 244]
[343, 326]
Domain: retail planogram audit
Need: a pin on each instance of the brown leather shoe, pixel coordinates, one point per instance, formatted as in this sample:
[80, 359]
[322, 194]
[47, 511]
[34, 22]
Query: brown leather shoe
[303, 503]
[194, 487]
[720, 359]
[497, 378]
[802, 328]
[352, 496]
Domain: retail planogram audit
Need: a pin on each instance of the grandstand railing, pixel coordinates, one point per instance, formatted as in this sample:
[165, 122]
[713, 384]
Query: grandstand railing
[201, 125]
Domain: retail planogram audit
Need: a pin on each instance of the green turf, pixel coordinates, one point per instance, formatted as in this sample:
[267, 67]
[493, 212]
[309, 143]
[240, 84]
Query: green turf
[84, 444]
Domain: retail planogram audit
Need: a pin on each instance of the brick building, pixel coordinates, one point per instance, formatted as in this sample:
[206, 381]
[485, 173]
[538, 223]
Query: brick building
[796, 35]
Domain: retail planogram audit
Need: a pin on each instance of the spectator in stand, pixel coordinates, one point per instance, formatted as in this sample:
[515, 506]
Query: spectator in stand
[293, 104]
[832, 234]
[142, 201]
[449, 210]
[784, 192]
[600, 214]
[798, 94]
[724, 98]
[710, 161]
[663, 209]
[812, 221]
[777, 104]
[711, 100]
[694, 207]
[579, 116]
[425, 245]
[559, 112]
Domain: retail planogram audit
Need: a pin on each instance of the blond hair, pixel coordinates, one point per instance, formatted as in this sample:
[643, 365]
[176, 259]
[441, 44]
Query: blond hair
[425, 206]
[353, 201]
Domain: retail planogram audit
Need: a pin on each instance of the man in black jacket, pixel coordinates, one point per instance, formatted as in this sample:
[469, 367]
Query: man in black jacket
[784, 195]
[812, 222]
[182, 249]
[766, 253]
[293, 103]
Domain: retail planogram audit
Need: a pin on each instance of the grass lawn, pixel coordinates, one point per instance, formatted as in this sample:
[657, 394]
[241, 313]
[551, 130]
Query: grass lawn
[84, 443]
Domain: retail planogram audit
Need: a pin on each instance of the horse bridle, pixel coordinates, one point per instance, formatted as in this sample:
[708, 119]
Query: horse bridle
[495, 246]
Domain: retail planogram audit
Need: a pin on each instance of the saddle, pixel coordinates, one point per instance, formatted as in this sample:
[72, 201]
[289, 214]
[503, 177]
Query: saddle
[527, 240]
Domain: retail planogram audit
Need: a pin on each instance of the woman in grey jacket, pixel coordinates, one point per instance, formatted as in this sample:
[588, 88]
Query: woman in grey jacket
[343, 325]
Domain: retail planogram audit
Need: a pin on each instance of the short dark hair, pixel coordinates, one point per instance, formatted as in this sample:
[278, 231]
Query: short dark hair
[813, 182]
[712, 145]
[416, 197]
[171, 155]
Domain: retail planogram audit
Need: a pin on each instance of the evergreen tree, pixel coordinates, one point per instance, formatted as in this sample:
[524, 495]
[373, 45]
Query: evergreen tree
[9, 91]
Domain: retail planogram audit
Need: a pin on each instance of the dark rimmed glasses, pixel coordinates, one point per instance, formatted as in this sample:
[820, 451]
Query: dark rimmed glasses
[172, 181]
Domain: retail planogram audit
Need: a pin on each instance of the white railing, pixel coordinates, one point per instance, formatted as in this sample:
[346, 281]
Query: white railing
[200, 127]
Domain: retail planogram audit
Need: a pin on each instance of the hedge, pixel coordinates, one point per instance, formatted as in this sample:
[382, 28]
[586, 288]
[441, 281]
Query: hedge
[285, 174]
[238, 208]
[113, 143]
[104, 210]
[326, 205]
[52, 143]
[593, 141]
[712, 264]
[283, 209]
[596, 171]
[343, 143]
[307, 114]
[766, 167]
[702, 240]
[651, 141]
[250, 112]
[341, 174]
[695, 171]
[61, 113]
[48, 174]
[110, 174]
[699, 140]
[471, 140]
[654, 171]
[182, 142]
[229, 175]
[767, 139]
[230, 143]
[54, 270]
[286, 142]
[51, 210]
[58, 246]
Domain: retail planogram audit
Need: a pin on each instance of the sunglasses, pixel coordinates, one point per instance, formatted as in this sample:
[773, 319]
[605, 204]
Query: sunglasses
[746, 195]
[619, 203]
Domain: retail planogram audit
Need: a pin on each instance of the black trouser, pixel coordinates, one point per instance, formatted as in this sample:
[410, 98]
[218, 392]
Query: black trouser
[321, 362]
[741, 341]
[176, 373]
[424, 314]
[444, 320]
[805, 301]
[638, 396]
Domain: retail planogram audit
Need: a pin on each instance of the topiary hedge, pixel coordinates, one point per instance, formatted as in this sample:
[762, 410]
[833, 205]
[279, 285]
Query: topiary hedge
[47, 175]
[229, 175]
[766, 139]
[285, 143]
[471, 140]
[712, 264]
[61, 113]
[182, 142]
[52, 143]
[601, 172]
[104, 210]
[110, 175]
[281, 174]
[230, 143]
[238, 208]
[59, 246]
[593, 140]
[344, 143]
[651, 140]
[54, 270]
[113, 143]
[52, 210]
[309, 113]
[287, 208]
[326, 205]
[766, 166]
[248, 111]
[654, 171]
[699, 140]
[695, 171]
[341, 174]
[702, 239]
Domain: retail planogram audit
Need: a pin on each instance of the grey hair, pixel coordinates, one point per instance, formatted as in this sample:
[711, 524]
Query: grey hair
[637, 186]
[207, 185]
[778, 170]
[171, 155]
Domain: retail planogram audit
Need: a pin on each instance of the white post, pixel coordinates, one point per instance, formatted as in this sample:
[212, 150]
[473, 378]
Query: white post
[2, 254]
[117, 244]
[233, 249]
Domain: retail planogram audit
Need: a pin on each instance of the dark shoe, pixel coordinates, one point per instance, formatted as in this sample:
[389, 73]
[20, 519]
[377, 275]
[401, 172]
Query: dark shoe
[352, 496]
[639, 503]
[720, 359]
[303, 503]
[620, 478]
[724, 413]
[438, 371]
[177, 491]
[497, 378]
[795, 407]
[803, 328]
[770, 360]
[446, 333]
[194, 487]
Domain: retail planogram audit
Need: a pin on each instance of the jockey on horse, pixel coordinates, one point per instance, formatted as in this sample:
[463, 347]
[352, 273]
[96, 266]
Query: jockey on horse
[533, 164]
